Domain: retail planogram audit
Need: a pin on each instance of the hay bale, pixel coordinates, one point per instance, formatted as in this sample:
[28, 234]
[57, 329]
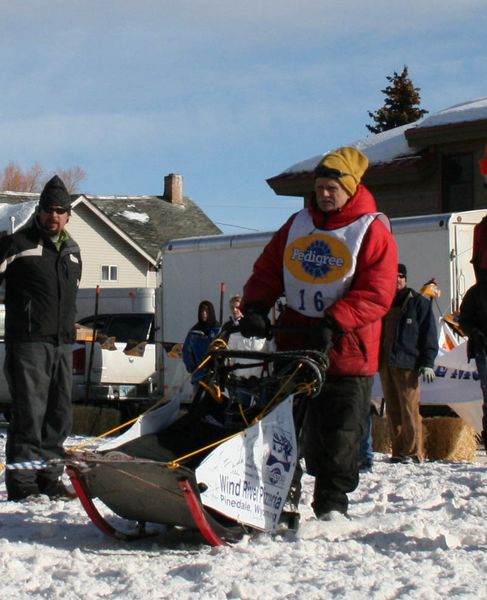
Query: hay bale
[449, 438]
[94, 420]
[381, 439]
[445, 438]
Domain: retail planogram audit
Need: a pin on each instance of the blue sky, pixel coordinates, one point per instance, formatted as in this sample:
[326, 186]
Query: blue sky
[225, 93]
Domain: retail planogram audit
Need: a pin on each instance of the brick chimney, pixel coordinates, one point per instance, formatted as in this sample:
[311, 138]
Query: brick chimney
[173, 188]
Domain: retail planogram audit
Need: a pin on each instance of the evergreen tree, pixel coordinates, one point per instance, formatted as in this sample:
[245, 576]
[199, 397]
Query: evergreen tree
[401, 105]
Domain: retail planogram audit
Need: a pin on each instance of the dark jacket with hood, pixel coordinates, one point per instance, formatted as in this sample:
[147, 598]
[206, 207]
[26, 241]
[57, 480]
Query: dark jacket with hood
[358, 313]
[198, 340]
[41, 283]
[415, 343]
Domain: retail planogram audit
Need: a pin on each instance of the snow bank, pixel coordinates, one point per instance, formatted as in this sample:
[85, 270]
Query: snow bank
[415, 532]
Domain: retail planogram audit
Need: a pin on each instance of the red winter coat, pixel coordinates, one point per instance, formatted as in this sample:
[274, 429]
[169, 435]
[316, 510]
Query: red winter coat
[359, 312]
[479, 250]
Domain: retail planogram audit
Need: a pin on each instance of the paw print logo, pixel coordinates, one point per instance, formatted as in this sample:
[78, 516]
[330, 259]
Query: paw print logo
[314, 261]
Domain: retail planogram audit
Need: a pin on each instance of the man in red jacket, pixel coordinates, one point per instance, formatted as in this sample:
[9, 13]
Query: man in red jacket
[479, 247]
[336, 262]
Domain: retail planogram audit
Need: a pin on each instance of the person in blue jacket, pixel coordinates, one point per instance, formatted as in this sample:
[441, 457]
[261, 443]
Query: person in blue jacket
[408, 351]
[198, 340]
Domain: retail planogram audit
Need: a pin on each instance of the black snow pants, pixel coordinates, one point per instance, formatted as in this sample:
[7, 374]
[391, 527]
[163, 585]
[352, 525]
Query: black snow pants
[335, 424]
[39, 376]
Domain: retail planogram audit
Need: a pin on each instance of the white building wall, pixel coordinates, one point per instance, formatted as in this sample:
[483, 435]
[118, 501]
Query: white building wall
[100, 245]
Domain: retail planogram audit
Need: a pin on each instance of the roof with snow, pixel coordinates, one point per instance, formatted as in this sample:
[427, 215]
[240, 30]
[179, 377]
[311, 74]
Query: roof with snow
[149, 221]
[401, 143]
[16, 208]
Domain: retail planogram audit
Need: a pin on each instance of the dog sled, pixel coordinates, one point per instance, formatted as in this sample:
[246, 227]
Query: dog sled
[223, 467]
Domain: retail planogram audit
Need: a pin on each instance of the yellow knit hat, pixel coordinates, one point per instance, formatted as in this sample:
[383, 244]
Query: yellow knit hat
[345, 164]
[483, 163]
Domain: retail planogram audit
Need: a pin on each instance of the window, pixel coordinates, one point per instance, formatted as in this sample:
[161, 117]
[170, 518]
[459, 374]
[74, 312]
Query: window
[134, 327]
[109, 273]
[124, 327]
[100, 324]
[457, 182]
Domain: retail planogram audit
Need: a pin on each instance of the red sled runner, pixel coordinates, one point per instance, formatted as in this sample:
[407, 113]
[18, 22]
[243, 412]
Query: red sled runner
[145, 491]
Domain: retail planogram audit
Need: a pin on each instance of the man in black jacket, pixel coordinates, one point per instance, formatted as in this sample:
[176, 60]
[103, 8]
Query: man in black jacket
[473, 322]
[409, 348]
[41, 266]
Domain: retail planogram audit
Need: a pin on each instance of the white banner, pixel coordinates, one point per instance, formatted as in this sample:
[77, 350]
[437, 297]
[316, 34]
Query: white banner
[150, 422]
[249, 476]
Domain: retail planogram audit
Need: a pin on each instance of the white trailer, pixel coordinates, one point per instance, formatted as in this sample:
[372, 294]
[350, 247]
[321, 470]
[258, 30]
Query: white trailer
[439, 246]
[193, 269]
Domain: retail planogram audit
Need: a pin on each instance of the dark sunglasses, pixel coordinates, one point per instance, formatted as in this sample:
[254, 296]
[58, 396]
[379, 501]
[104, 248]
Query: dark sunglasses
[401, 276]
[55, 209]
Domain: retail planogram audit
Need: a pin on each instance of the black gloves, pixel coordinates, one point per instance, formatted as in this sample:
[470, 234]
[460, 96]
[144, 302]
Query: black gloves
[255, 323]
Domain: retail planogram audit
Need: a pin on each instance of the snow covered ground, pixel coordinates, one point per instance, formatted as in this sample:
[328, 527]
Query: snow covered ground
[417, 531]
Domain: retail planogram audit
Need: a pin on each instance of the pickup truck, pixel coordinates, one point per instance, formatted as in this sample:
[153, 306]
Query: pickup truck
[118, 366]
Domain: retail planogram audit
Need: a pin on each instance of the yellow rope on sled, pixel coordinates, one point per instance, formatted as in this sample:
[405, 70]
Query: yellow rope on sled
[122, 425]
[217, 344]
[242, 414]
[174, 464]
[104, 434]
[280, 392]
[215, 392]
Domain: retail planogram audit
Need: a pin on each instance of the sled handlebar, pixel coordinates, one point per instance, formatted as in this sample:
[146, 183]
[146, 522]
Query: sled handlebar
[312, 331]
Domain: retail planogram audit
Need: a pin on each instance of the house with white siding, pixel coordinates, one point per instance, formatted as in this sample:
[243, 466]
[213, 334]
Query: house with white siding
[119, 236]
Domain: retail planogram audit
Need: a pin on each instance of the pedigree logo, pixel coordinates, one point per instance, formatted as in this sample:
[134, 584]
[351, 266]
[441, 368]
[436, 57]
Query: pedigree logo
[320, 258]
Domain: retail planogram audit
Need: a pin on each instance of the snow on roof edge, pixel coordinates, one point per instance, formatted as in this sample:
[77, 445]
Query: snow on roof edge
[391, 144]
